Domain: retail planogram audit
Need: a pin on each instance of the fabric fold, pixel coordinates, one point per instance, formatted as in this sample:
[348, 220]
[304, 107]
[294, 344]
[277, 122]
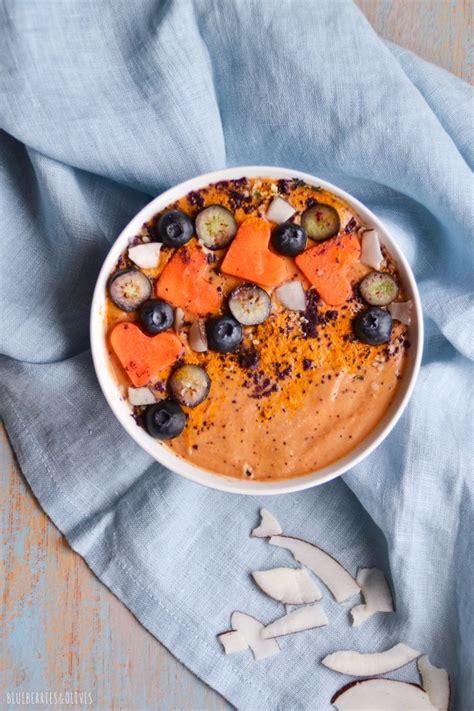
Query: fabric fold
[102, 106]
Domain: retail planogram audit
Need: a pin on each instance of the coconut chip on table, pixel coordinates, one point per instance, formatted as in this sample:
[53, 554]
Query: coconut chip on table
[290, 584]
[268, 526]
[435, 682]
[376, 593]
[250, 629]
[336, 578]
[301, 619]
[371, 664]
[233, 641]
[382, 695]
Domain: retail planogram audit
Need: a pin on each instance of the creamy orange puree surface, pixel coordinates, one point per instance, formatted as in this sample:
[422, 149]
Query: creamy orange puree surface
[302, 391]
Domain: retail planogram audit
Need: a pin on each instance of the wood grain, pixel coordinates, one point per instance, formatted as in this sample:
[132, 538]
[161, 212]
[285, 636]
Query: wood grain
[60, 629]
[439, 31]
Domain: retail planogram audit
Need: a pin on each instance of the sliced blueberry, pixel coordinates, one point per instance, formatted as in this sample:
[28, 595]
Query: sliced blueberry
[224, 334]
[129, 289]
[379, 289]
[165, 420]
[373, 326]
[321, 221]
[175, 228]
[216, 227]
[189, 385]
[249, 304]
[156, 316]
[289, 239]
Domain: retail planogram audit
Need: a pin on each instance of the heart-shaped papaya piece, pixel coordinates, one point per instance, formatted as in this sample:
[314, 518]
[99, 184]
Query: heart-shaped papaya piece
[185, 282]
[325, 267]
[142, 357]
[250, 258]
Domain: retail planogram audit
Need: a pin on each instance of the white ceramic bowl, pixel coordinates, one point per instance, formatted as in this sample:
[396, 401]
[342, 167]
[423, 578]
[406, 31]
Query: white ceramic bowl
[185, 468]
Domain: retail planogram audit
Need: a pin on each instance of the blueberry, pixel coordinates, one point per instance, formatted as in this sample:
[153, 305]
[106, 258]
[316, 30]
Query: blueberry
[373, 326]
[156, 316]
[289, 239]
[175, 228]
[165, 420]
[224, 334]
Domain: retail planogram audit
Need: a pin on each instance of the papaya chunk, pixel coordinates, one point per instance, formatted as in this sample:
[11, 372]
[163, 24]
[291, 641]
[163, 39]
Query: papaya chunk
[142, 357]
[184, 283]
[249, 257]
[325, 267]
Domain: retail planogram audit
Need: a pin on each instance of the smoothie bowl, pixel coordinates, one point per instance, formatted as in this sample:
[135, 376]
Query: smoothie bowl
[256, 330]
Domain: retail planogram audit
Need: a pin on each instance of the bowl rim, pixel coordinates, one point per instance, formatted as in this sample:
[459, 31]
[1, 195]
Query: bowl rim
[184, 467]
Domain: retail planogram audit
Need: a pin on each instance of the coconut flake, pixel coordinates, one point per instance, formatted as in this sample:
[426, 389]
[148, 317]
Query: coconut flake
[232, 642]
[140, 396]
[357, 664]
[279, 211]
[333, 574]
[435, 683]
[269, 526]
[382, 695]
[197, 338]
[303, 618]
[288, 585]
[371, 252]
[146, 256]
[376, 592]
[251, 631]
[292, 296]
[401, 311]
[178, 319]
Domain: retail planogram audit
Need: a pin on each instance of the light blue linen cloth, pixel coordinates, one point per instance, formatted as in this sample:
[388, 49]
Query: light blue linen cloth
[104, 104]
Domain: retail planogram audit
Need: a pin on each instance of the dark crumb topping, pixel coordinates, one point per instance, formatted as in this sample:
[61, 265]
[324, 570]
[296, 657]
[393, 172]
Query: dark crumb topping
[351, 225]
[282, 373]
[284, 187]
[310, 316]
[185, 255]
[196, 199]
[248, 358]
[356, 295]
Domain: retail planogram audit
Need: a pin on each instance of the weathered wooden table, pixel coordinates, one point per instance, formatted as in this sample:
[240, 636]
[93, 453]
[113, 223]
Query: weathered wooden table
[60, 629]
